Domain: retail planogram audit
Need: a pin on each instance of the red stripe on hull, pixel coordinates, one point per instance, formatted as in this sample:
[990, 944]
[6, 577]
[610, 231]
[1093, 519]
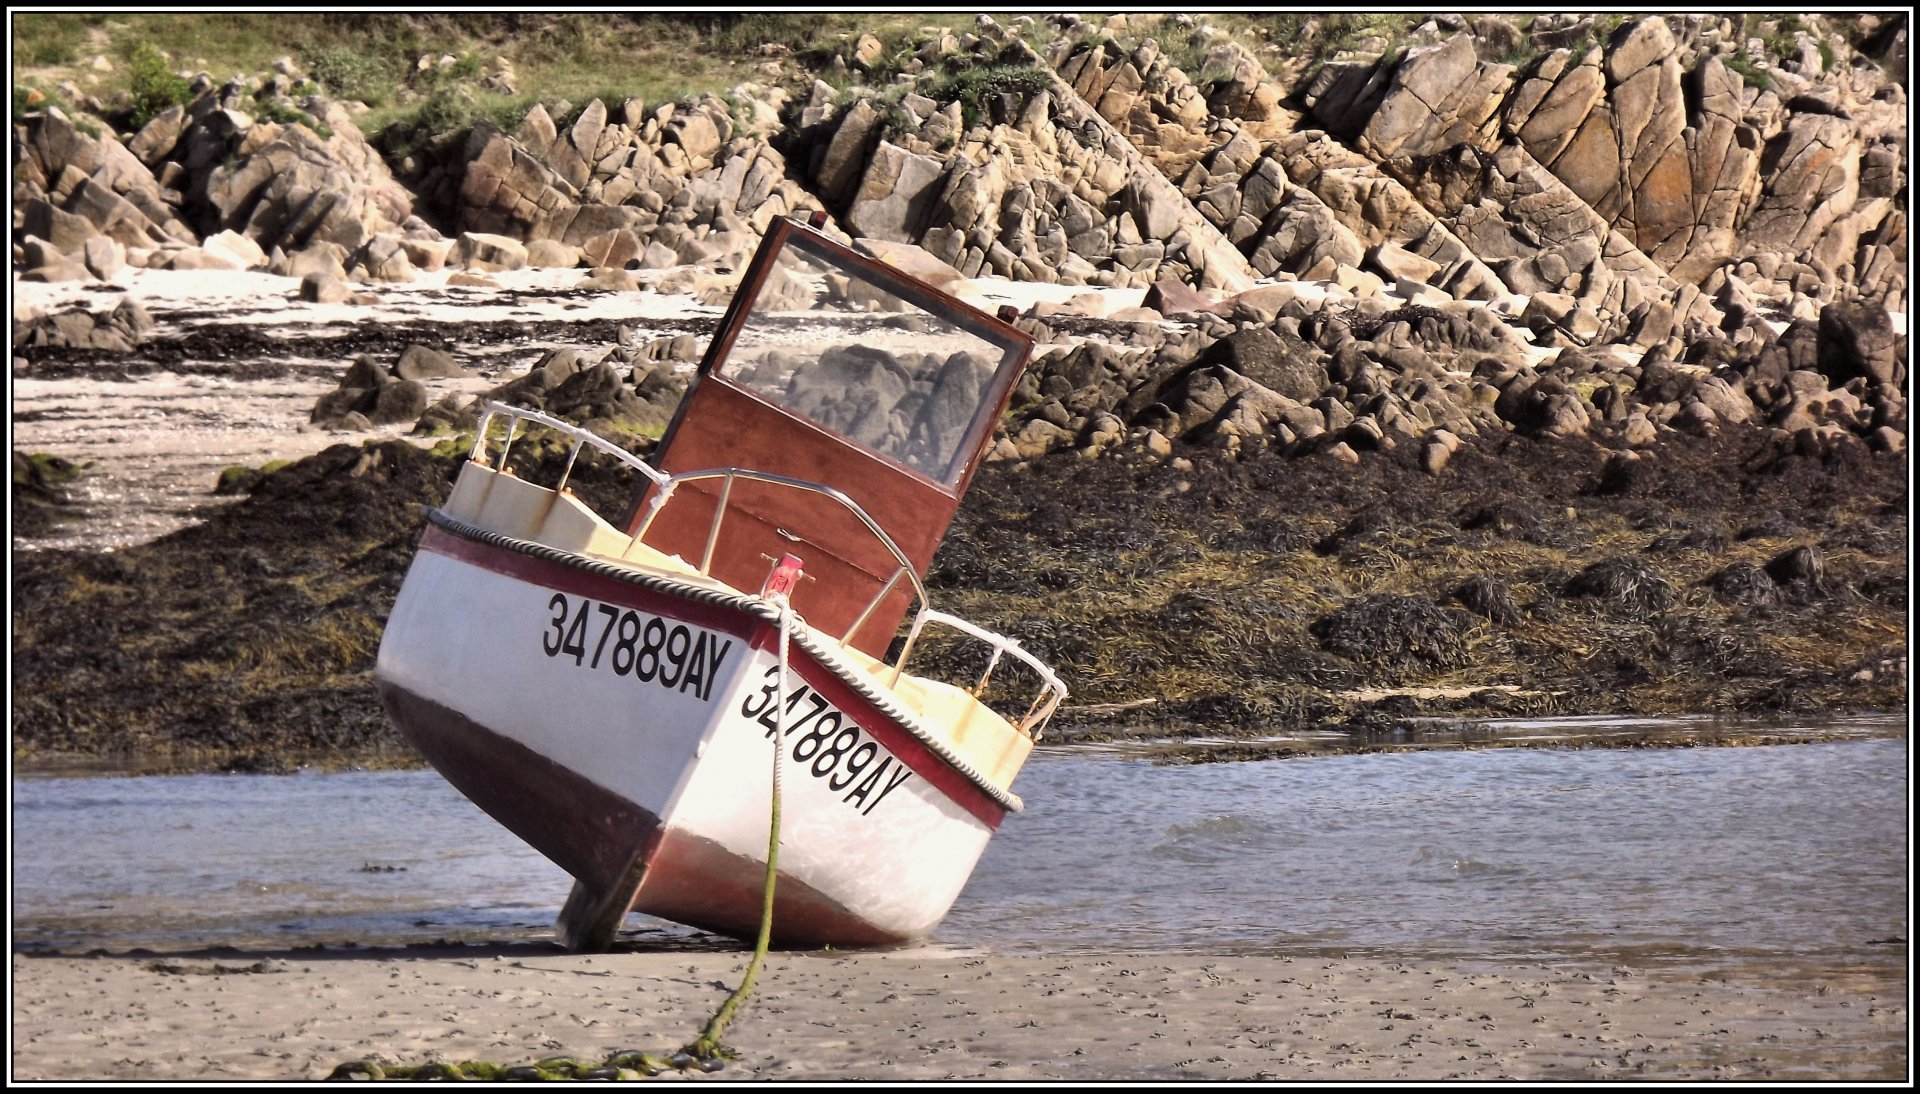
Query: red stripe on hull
[586, 829]
[696, 881]
[892, 736]
[568, 579]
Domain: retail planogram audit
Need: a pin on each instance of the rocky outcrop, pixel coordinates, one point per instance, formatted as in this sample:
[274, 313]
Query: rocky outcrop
[1639, 228]
[1661, 139]
[600, 395]
[69, 187]
[252, 188]
[628, 187]
[1122, 171]
[288, 189]
[117, 330]
[369, 395]
[1045, 189]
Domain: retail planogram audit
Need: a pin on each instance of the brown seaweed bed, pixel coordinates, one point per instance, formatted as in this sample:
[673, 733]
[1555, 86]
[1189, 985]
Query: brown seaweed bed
[1361, 606]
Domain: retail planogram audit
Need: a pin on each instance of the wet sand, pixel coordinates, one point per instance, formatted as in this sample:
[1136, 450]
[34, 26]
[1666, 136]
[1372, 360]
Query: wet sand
[940, 1014]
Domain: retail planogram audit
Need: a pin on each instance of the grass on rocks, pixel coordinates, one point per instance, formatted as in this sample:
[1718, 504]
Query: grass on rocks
[373, 57]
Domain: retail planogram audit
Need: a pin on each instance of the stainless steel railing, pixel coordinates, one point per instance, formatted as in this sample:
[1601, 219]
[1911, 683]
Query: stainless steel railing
[1051, 691]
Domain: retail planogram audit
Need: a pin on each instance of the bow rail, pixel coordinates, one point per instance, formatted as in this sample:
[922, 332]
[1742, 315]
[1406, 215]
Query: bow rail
[1051, 691]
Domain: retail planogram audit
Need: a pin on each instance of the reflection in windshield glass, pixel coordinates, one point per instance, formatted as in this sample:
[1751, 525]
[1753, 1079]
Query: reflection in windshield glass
[863, 362]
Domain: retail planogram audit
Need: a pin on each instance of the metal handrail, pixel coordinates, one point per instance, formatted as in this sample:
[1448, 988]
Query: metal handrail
[672, 482]
[1052, 693]
[580, 436]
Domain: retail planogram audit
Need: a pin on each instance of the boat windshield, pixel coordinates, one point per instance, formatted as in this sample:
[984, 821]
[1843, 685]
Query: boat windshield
[870, 356]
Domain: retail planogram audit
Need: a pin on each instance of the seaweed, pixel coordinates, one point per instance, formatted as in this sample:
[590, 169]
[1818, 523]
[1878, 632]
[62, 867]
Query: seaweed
[1394, 631]
[1486, 595]
[1623, 584]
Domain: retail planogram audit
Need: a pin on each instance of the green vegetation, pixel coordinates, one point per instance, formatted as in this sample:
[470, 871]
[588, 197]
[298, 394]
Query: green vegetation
[1345, 30]
[348, 73]
[376, 58]
[447, 110]
[1598, 31]
[1753, 74]
[49, 51]
[1185, 52]
[956, 78]
[373, 57]
[273, 109]
[31, 97]
[1211, 76]
[1605, 26]
[1780, 34]
[40, 497]
[1524, 50]
[239, 479]
[974, 88]
[46, 469]
[26, 99]
[233, 480]
[45, 39]
[155, 85]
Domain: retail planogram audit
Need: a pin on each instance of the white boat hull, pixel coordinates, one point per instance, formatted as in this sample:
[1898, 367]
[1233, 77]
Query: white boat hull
[624, 729]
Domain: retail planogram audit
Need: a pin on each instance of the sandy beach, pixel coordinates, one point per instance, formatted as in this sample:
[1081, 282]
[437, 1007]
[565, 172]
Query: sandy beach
[941, 1014]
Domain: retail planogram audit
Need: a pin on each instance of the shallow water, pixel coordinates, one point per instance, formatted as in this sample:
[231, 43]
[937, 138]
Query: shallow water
[1682, 855]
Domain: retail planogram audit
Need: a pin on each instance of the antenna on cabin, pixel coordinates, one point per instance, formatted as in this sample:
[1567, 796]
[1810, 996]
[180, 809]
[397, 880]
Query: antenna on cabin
[818, 219]
[1008, 313]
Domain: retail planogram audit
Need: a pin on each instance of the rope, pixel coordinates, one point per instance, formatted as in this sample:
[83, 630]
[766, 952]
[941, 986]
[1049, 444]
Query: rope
[706, 1052]
[708, 1047]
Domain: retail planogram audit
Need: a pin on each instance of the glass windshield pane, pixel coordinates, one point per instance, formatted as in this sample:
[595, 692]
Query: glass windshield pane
[843, 349]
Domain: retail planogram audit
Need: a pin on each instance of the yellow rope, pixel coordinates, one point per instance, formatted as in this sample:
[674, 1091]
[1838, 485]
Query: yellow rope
[704, 1050]
[708, 1047]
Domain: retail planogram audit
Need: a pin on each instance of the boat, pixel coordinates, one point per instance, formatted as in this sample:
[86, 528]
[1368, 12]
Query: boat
[612, 691]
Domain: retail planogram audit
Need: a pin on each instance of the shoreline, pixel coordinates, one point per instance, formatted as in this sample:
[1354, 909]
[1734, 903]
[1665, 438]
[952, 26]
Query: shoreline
[923, 1014]
[1201, 745]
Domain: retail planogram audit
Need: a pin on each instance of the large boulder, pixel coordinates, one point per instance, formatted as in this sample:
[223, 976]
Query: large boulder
[418, 362]
[96, 179]
[293, 189]
[896, 194]
[914, 260]
[1441, 96]
[1857, 340]
[1290, 369]
[486, 252]
[839, 160]
[64, 231]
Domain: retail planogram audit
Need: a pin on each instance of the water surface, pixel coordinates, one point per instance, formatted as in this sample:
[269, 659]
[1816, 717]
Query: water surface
[1690, 855]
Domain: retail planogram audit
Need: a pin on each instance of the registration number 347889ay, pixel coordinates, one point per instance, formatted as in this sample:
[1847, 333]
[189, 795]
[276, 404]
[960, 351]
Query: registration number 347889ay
[822, 740]
[644, 647]
[826, 743]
